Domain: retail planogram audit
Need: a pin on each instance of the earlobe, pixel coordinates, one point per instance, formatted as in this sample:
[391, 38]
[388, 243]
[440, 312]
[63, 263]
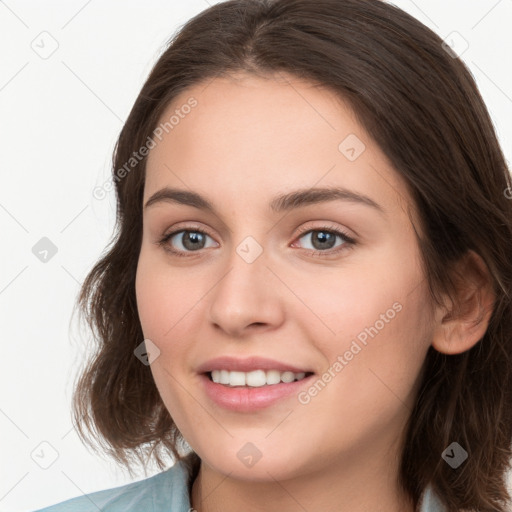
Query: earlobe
[461, 325]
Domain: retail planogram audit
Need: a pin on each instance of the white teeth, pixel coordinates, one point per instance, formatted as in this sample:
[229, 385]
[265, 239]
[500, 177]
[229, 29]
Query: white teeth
[237, 378]
[287, 377]
[273, 377]
[256, 378]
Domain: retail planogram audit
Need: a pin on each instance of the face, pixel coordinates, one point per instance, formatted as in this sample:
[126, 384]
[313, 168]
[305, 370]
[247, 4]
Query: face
[327, 286]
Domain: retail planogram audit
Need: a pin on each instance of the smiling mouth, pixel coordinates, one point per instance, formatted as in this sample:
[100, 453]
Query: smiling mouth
[255, 378]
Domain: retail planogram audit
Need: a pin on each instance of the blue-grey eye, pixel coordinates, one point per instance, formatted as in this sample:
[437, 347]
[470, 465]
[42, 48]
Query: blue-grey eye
[322, 239]
[189, 240]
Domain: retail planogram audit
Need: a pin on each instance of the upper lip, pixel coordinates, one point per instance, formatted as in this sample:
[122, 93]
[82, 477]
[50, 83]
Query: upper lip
[247, 365]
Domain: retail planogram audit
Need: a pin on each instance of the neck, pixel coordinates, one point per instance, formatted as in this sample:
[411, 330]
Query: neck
[356, 487]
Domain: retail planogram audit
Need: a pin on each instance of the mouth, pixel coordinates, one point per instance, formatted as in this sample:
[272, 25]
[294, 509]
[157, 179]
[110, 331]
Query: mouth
[251, 391]
[254, 379]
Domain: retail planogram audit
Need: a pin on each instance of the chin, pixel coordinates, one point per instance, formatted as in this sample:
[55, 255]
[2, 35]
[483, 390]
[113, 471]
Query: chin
[247, 464]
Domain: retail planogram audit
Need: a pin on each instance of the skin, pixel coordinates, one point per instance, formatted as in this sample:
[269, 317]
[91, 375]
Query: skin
[249, 139]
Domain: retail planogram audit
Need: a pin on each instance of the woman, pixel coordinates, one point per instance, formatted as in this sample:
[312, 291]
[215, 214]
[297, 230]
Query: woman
[341, 338]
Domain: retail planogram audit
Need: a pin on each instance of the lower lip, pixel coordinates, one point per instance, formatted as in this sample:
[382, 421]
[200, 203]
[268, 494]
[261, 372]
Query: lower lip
[247, 399]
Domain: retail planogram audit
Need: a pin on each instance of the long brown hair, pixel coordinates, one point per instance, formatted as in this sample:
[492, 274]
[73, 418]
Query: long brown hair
[422, 107]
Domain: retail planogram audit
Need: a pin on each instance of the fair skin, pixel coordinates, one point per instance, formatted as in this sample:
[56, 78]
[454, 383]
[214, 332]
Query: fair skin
[248, 140]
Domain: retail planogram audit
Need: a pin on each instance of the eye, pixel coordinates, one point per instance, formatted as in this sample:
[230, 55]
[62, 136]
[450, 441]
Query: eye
[185, 240]
[323, 240]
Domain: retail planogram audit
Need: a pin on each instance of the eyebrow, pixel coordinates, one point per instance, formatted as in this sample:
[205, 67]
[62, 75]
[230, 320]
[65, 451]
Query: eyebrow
[281, 203]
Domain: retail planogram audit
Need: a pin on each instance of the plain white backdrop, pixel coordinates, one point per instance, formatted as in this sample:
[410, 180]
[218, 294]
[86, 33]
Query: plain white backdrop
[69, 74]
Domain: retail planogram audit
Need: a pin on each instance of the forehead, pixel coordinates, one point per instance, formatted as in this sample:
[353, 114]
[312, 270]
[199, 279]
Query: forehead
[255, 136]
[257, 113]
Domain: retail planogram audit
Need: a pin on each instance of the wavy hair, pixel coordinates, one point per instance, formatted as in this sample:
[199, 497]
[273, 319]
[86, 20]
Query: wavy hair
[422, 107]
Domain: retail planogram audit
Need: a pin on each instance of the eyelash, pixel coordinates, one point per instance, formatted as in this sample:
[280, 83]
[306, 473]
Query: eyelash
[348, 244]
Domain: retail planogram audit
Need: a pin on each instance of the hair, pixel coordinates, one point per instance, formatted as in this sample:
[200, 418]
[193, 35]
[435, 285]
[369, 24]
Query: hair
[420, 104]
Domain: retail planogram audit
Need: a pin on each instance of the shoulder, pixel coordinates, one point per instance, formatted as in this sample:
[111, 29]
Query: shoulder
[164, 491]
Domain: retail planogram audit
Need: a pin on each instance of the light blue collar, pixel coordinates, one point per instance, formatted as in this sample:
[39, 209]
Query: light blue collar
[431, 502]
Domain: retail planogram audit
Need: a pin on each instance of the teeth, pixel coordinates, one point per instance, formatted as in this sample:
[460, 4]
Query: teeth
[256, 378]
[224, 376]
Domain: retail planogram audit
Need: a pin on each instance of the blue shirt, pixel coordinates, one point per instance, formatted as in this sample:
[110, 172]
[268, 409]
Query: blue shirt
[168, 491]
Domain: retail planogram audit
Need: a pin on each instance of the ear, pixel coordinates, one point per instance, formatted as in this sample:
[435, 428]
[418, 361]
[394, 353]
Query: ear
[461, 325]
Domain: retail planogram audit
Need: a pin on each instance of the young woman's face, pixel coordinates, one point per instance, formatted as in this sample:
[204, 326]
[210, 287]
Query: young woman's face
[267, 272]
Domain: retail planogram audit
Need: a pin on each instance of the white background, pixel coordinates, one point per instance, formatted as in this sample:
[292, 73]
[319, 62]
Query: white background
[59, 119]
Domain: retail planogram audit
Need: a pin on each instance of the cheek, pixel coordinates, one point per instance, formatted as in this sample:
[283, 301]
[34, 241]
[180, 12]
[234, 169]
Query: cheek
[162, 295]
[379, 325]
[353, 295]
[350, 307]
[163, 316]
[383, 374]
[169, 310]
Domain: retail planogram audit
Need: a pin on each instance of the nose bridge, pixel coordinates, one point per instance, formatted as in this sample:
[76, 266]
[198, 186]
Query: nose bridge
[246, 295]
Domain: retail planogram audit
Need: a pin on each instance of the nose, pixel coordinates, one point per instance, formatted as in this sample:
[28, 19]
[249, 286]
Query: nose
[247, 298]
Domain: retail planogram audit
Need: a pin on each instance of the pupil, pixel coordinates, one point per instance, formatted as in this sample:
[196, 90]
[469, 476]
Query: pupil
[325, 240]
[192, 240]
